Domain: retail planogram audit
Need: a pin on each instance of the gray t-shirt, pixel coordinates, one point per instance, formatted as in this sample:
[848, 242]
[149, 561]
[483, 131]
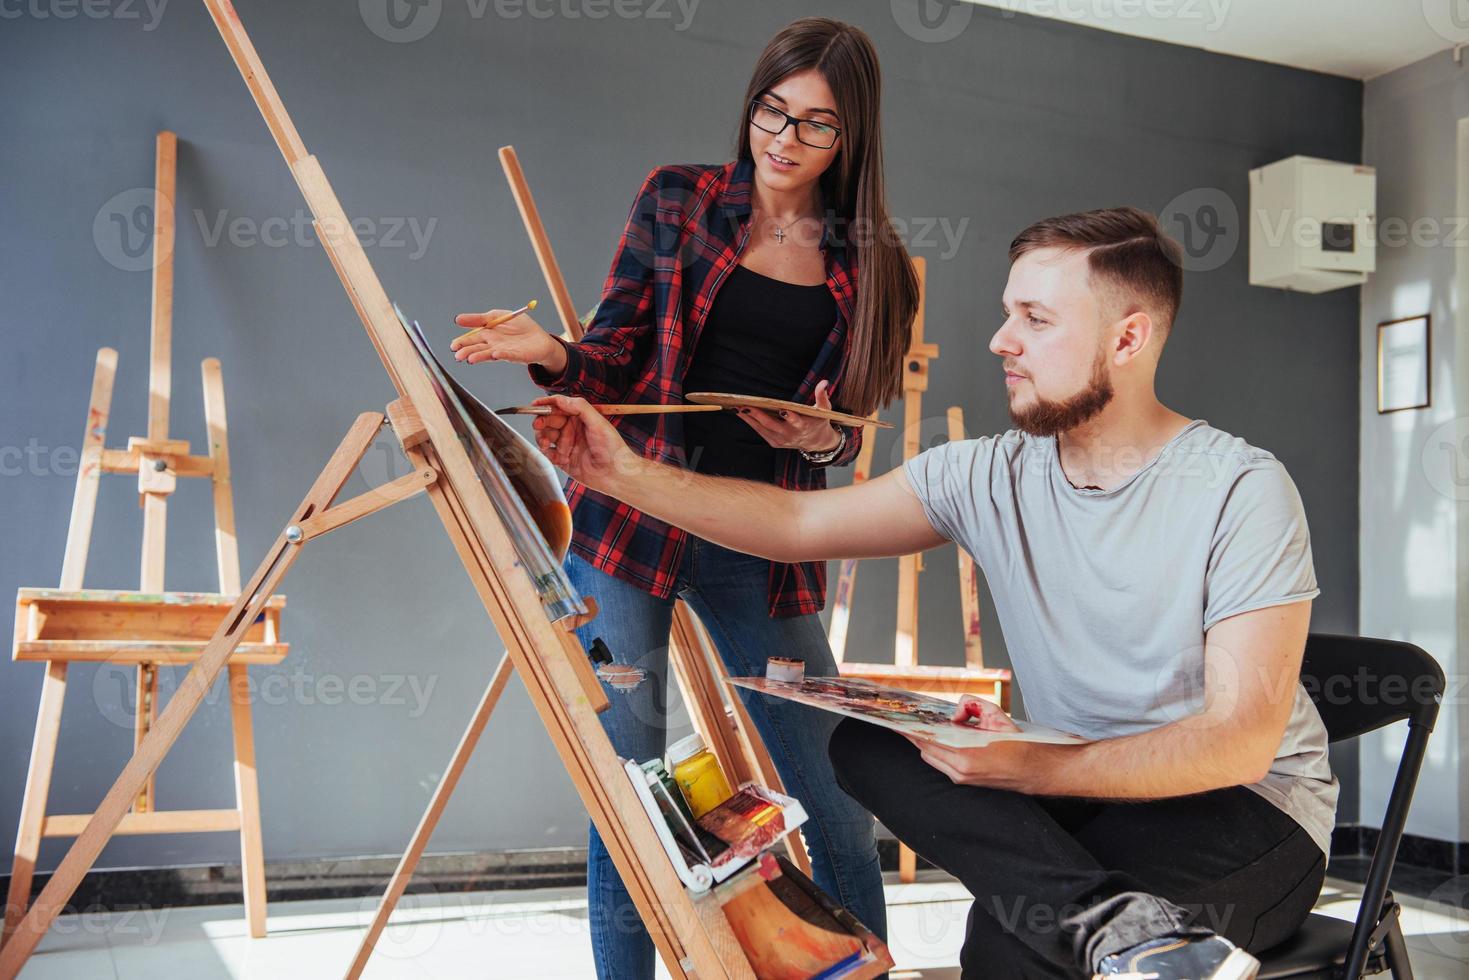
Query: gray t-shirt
[1104, 596]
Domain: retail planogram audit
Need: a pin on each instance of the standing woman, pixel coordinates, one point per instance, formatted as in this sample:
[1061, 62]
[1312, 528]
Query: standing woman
[776, 274]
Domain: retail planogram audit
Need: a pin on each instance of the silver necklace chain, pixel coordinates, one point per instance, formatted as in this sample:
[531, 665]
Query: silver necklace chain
[780, 234]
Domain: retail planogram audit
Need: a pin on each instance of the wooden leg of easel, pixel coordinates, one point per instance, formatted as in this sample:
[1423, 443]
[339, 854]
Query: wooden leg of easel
[915, 383]
[33, 804]
[586, 752]
[53, 688]
[846, 585]
[700, 687]
[731, 733]
[191, 693]
[247, 798]
[430, 819]
[145, 698]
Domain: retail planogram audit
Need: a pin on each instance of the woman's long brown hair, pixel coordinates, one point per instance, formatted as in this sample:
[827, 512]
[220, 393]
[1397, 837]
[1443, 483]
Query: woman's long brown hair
[853, 188]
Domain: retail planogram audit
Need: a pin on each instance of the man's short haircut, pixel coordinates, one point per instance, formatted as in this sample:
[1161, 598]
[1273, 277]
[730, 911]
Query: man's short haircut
[1125, 248]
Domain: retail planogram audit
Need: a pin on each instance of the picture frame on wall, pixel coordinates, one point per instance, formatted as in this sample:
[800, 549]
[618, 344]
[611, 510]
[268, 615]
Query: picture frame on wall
[1404, 354]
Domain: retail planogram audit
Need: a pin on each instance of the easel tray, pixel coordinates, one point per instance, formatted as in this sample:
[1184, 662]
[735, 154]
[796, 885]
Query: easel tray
[127, 627]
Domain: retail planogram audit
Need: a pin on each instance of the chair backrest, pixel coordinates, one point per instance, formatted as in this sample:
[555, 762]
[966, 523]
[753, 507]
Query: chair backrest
[1360, 684]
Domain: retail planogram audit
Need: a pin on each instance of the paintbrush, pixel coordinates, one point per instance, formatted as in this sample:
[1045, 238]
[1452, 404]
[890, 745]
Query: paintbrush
[499, 319]
[612, 409]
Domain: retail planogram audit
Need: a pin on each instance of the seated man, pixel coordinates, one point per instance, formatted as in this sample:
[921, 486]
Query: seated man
[1153, 579]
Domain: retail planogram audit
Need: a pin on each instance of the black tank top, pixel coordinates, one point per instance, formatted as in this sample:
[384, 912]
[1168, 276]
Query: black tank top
[761, 338]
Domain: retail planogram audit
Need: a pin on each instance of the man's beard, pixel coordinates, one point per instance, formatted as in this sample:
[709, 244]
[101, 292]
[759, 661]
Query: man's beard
[1049, 418]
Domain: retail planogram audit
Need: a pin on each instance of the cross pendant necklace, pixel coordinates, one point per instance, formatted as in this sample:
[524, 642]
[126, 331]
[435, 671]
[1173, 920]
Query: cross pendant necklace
[780, 234]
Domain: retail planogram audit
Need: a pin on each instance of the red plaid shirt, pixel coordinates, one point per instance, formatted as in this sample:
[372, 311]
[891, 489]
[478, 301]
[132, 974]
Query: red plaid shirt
[686, 231]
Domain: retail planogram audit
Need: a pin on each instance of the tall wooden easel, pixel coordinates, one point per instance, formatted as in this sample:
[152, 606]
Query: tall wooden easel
[148, 627]
[905, 671]
[690, 933]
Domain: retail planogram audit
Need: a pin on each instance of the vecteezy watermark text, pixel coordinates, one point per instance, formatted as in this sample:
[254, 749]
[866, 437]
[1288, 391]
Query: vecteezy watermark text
[148, 12]
[405, 21]
[1210, 14]
[114, 690]
[279, 231]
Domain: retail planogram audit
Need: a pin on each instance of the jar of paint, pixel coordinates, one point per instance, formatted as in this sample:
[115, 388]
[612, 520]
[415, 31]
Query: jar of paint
[785, 669]
[698, 774]
[655, 769]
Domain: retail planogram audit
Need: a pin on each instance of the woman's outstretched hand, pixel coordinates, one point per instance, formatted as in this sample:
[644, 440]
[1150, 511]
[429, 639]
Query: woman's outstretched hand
[520, 340]
[580, 440]
[787, 430]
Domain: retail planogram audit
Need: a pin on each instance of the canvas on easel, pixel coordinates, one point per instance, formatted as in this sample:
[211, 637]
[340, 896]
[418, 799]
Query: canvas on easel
[149, 627]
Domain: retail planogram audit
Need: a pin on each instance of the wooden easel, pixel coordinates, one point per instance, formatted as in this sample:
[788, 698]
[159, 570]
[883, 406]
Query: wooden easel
[148, 627]
[690, 933]
[905, 671]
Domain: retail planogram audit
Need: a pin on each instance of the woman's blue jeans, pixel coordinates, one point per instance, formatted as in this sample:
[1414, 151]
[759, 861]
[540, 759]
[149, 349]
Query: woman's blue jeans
[728, 591]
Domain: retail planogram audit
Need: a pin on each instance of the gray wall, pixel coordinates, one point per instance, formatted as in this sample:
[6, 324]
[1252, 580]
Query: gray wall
[1011, 120]
[1415, 499]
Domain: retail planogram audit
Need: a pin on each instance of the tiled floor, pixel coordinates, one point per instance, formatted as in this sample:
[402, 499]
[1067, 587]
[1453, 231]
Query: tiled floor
[540, 934]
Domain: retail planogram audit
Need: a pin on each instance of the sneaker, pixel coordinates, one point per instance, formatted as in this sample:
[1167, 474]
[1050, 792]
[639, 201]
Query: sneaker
[1173, 958]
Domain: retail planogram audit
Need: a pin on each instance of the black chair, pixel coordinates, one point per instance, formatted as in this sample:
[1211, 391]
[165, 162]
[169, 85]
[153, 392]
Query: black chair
[1360, 685]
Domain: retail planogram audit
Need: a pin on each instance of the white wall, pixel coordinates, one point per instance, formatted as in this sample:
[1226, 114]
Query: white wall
[1415, 464]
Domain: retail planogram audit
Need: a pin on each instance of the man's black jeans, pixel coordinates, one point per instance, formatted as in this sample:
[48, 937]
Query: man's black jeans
[1059, 883]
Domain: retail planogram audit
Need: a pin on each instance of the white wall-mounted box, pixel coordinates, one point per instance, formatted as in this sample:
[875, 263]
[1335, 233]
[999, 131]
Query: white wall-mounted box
[1313, 224]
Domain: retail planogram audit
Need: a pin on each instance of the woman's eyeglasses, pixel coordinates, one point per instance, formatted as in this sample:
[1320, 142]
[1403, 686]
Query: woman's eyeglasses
[820, 135]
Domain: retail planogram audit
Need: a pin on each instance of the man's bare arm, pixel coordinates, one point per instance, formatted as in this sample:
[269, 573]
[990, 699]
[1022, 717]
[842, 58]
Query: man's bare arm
[1253, 666]
[872, 519]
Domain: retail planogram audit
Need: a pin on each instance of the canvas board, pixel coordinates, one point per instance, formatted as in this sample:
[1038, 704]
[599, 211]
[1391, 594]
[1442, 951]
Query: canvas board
[902, 711]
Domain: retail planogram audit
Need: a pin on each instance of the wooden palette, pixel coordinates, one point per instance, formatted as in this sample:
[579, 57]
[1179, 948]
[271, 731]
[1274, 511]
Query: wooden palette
[725, 400]
[631, 409]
